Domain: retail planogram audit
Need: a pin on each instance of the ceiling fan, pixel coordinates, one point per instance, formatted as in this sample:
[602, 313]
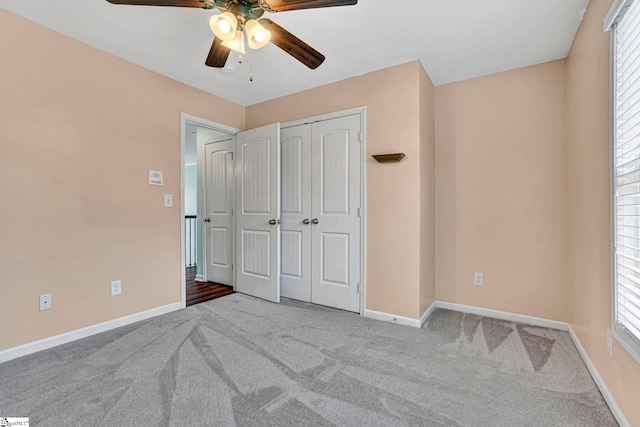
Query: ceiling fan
[242, 16]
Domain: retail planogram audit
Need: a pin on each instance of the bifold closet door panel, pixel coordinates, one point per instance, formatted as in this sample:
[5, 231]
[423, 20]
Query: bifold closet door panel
[335, 222]
[295, 230]
[258, 205]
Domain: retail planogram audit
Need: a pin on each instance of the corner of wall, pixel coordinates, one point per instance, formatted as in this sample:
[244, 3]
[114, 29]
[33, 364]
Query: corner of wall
[589, 215]
[427, 191]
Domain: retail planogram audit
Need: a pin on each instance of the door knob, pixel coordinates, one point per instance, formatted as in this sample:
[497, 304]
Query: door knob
[207, 220]
[273, 222]
[305, 221]
[314, 221]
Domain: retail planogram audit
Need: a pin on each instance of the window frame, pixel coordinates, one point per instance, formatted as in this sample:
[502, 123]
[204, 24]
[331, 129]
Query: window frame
[623, 337]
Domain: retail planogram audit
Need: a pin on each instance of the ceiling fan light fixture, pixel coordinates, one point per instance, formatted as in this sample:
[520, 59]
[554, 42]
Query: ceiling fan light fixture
[224, 26]
[257, 35]
[237, 43]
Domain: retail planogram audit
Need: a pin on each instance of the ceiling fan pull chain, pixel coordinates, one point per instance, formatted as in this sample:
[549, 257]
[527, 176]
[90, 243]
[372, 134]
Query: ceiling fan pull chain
[241, 44]
[251, 69]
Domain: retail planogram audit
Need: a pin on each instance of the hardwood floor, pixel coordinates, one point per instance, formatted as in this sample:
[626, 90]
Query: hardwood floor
[198, 292]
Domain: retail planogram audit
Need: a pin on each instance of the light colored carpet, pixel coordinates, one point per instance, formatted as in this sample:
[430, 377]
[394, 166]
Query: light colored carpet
[241, 361]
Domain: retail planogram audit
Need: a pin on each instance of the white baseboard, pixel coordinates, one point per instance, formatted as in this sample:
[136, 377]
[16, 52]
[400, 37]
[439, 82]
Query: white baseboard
[428, 312]
[504, 315]
[400, 320]
[199, 278]
[613, 406]
[33, 347]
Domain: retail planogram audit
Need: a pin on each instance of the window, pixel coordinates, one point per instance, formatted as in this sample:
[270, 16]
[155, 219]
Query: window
[625, 22]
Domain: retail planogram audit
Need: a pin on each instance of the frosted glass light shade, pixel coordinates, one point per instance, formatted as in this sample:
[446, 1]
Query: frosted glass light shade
[224, 26]
[237, 43]
[257, 35]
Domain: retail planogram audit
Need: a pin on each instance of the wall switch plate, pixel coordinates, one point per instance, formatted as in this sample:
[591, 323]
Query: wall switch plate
[116, 287]
[45, 302]
[478, 279]
[168, 200]
[609, 342]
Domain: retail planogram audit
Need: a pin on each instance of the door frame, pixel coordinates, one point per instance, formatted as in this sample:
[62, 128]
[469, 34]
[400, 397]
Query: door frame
[198, 121]
[362, 111]
[231, 131]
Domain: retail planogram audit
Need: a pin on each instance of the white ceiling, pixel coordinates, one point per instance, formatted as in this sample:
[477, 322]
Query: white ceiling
[454, 39]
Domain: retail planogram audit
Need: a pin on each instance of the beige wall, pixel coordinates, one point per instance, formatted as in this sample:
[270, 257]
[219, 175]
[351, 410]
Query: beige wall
[501, 191]
[519, 191]
[393, 190]
[79, 131]
[589, 209]
[427, 192]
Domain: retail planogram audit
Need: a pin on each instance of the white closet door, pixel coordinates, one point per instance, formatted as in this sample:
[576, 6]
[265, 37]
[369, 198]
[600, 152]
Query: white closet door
[295, 230]
[335, 221]
[218, 222]
[258, 200]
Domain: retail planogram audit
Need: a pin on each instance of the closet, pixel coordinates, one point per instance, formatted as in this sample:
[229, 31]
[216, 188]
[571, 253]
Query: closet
[320, 212]
[298, 217]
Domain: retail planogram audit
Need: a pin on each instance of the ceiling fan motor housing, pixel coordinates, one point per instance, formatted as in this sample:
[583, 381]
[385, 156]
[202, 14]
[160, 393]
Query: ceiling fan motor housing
[244, 10]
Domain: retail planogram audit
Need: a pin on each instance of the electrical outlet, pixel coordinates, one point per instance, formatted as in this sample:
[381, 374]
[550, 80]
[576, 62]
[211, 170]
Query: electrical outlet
[116, 287]
[478, 279]
[45, 302]
[609, 342]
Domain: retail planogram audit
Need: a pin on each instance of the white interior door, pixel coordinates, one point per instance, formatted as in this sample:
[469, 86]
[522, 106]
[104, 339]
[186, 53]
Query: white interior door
[218, 221]
[295, 230]
[258, 204]
[336, 213]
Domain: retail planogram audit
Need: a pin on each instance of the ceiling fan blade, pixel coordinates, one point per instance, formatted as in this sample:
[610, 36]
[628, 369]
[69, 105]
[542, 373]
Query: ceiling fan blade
[284, 5]
[293, 45]
[176, 3]
[218, 54]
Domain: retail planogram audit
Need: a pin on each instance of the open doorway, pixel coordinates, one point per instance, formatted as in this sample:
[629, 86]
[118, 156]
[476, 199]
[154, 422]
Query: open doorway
[196, 134]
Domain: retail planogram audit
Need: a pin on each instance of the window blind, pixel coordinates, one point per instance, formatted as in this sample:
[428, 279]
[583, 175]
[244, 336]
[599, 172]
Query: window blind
[626, 171]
